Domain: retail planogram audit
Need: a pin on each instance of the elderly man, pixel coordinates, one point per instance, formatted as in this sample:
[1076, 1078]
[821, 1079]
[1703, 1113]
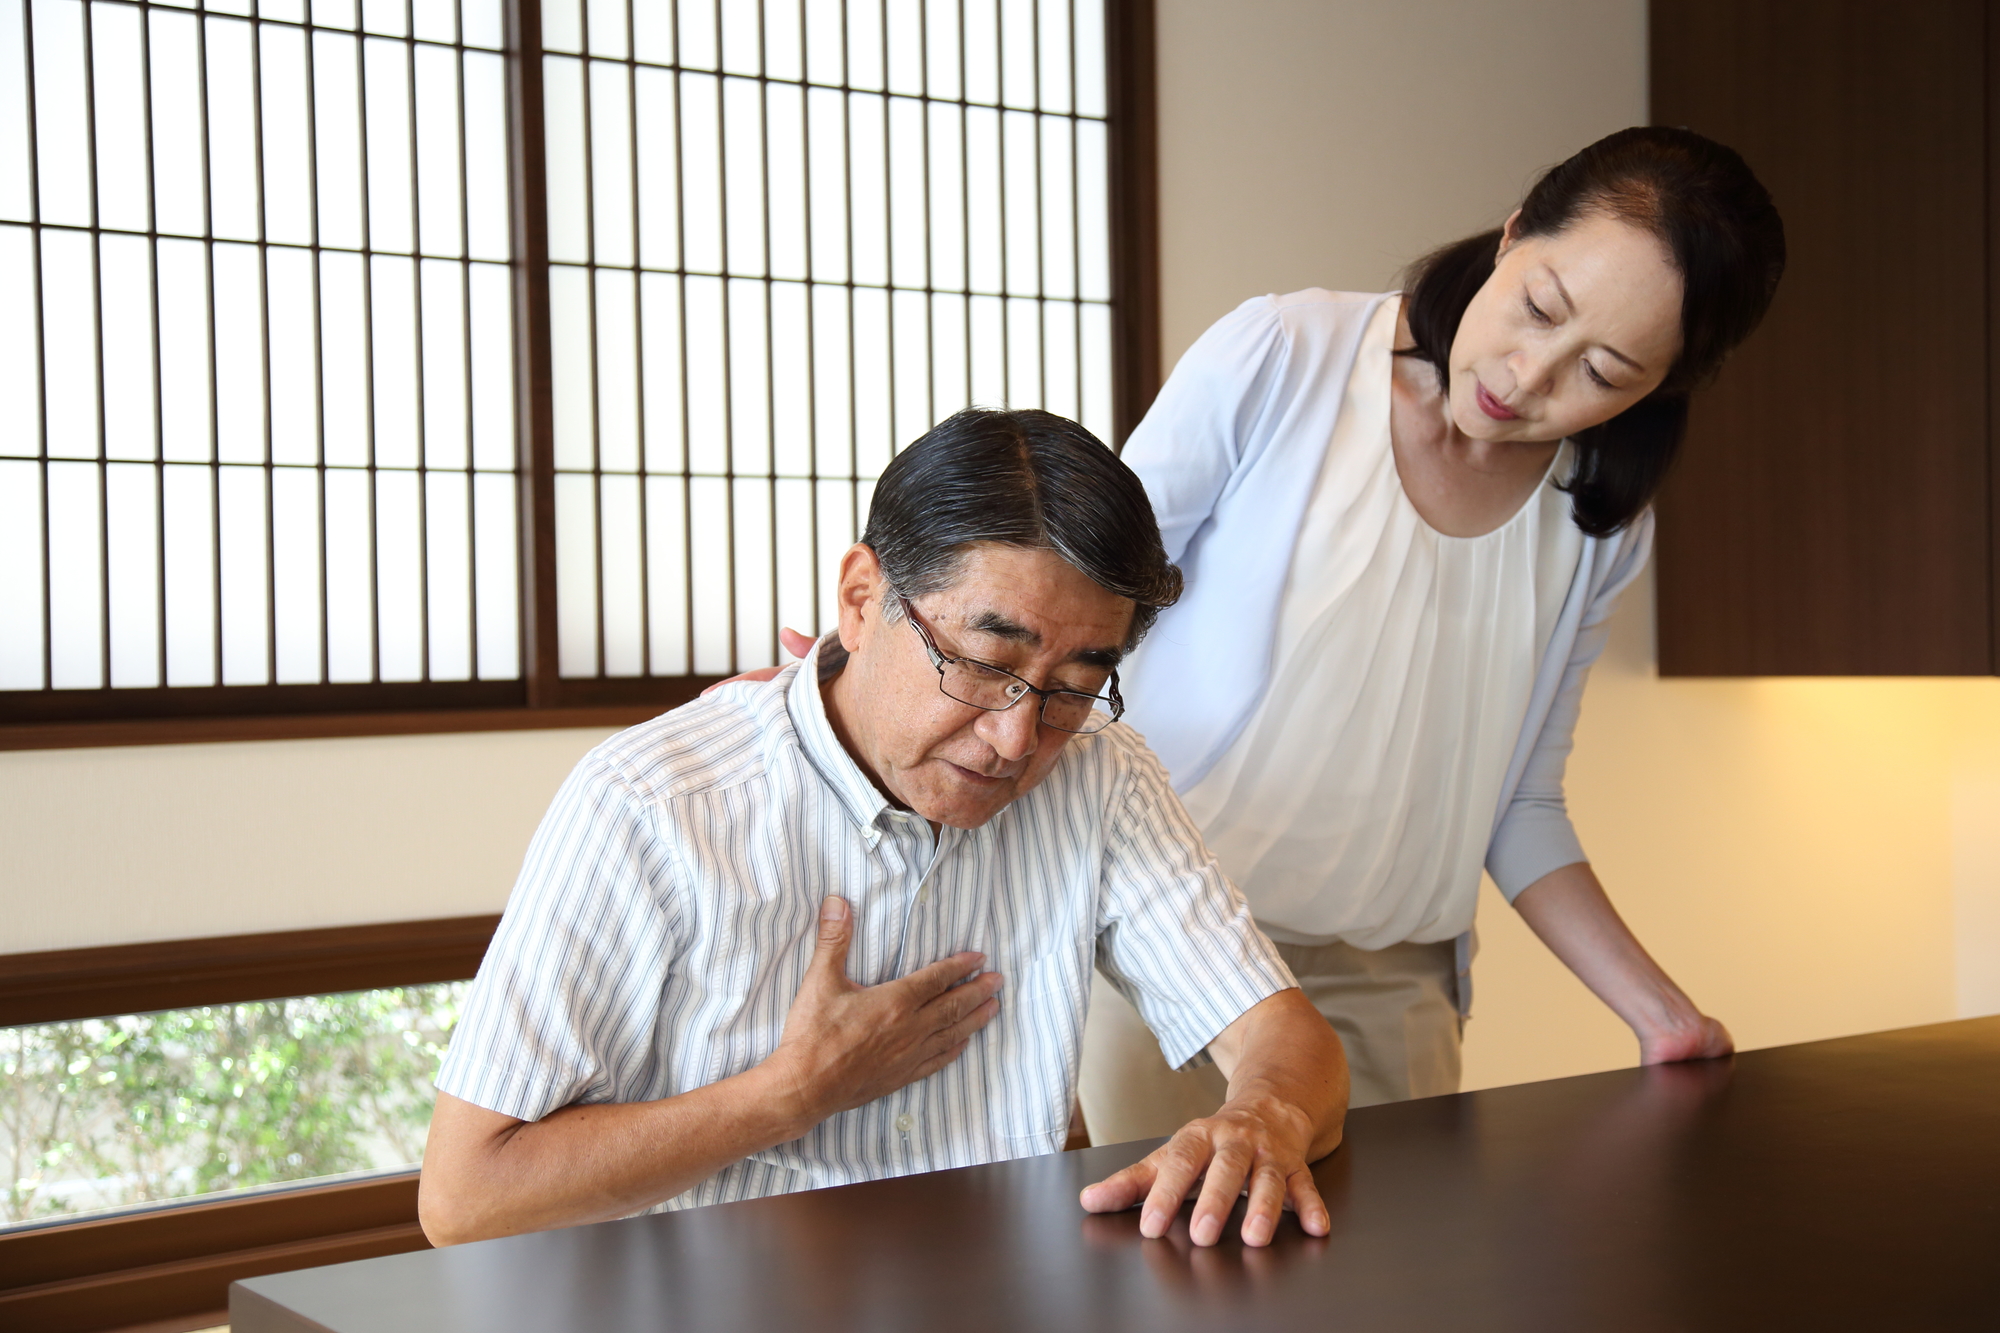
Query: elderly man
[841, 925]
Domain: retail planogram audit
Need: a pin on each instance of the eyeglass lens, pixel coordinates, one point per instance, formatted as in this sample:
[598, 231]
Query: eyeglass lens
[982, 687]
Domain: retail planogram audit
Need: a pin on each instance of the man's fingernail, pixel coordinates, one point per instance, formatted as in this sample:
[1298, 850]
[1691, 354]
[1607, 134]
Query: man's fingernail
[1152, 1223]
[831, 909]
[1205, 1231]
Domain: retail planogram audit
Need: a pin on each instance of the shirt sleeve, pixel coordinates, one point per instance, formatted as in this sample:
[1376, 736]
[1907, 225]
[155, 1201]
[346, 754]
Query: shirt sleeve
[1173, 934]
[1535, 835]
[565, 1003]
[1194, 435]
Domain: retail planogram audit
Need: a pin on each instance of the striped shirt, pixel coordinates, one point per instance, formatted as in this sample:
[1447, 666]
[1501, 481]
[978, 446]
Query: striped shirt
[669, 906]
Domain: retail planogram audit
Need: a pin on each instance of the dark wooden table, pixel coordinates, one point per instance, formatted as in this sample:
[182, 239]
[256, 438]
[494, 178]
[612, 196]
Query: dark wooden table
[1851, 1184]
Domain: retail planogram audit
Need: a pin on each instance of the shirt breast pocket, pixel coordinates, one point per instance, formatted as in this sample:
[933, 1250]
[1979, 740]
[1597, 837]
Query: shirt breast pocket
[1032, 1062]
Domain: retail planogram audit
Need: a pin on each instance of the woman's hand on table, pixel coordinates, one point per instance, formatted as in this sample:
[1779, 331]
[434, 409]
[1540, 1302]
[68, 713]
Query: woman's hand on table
[1704, 1039]
[795, 643]
[1572, 914]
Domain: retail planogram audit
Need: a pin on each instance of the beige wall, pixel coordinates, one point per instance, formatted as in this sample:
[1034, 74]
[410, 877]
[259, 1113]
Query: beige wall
[114, 846]
[1810, 858]
[1329, 142]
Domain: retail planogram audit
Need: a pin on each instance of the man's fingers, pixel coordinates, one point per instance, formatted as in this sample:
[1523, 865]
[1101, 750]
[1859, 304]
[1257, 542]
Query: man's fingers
[836, 931]
[1303, 1191]
[1218, 1195]
[1119, 1190]
[939, 1061]
[1266, 1203]
[1177, 1166]
[927, 983]
[795, 643]
[960, 1032]
[951, 1008]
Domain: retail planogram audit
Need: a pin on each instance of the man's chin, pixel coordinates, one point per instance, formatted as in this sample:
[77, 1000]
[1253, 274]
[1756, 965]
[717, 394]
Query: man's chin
[964, 799]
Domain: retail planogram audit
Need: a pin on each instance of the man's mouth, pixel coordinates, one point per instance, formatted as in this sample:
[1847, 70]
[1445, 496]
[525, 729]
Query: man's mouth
[975, 777]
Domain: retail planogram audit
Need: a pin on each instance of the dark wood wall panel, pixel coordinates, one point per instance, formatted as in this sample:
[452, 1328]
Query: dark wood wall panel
[1831, 515]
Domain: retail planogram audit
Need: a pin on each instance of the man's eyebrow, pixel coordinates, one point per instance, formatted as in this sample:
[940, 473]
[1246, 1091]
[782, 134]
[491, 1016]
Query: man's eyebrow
[1563, 292]
[992, 622]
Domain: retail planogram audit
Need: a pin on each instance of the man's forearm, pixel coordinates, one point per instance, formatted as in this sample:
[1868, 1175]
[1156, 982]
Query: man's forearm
[1283, 1049]
[489, 1175]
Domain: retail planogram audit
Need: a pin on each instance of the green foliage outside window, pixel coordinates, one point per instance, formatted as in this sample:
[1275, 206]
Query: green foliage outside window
[106, 1112]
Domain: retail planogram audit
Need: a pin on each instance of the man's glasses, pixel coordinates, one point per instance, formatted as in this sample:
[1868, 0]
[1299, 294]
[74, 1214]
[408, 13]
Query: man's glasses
[996, 691]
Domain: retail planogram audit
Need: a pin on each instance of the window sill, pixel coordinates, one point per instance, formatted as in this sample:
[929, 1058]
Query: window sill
[321, 726]
[163, 1263]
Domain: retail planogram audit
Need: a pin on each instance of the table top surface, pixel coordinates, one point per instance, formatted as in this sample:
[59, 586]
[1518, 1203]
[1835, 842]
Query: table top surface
[1839, 1184]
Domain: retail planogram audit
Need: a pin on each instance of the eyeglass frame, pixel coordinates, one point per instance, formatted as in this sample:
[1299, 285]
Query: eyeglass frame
[939, 662]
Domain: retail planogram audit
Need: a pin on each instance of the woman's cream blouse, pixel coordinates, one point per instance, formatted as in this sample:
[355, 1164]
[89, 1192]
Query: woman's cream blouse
[1357, 800]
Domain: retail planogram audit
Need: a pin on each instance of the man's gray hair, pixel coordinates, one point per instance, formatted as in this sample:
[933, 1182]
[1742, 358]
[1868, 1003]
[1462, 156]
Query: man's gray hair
[1019, 478]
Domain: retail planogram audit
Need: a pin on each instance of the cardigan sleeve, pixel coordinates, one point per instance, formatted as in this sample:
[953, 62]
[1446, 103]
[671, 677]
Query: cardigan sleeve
[1201, 426]
[1535, 835]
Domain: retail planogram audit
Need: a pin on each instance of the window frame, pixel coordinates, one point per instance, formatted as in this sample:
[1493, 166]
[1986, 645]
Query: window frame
[177, 1258]
[541, 698]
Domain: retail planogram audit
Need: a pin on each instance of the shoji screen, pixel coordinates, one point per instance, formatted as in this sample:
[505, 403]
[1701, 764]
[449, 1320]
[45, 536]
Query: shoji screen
[784, 239]
[255, 345]
[347, 366]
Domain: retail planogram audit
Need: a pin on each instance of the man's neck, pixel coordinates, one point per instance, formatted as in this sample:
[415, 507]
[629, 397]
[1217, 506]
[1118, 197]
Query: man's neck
[840, 696]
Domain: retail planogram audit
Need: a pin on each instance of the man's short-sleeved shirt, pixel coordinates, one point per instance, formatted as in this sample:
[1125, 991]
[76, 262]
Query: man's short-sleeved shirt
[669, 906]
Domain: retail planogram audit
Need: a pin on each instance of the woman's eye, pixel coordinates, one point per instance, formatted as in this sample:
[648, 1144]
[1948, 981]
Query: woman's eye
[1595, 378]
[1535, 312]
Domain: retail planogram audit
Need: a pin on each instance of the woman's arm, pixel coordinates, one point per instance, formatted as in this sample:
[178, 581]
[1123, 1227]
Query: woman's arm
[1568, 909]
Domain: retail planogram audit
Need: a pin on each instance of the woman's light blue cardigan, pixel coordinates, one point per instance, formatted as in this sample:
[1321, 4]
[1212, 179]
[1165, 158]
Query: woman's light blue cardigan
[1230, 453]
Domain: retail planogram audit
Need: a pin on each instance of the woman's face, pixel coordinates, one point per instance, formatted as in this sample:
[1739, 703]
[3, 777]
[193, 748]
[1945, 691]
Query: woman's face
[1569, 331]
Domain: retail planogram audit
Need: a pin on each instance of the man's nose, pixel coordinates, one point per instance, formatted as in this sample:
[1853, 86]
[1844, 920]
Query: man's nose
[1014, 732]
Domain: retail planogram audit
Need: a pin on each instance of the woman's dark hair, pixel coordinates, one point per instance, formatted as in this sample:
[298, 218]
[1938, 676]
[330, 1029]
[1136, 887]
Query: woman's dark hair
[1026, 478]
[1715, 219]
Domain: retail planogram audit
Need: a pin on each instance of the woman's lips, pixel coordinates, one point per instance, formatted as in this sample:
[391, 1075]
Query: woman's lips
[1492, 406]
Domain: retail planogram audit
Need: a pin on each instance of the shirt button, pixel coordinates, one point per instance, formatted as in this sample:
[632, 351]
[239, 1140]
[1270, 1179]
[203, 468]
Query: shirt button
[923, 895]
[905, 1122]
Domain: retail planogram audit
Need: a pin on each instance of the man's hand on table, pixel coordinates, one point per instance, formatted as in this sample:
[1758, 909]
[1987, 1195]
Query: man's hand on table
[1287, 1105]
[844, 1045]
[1253, 1146]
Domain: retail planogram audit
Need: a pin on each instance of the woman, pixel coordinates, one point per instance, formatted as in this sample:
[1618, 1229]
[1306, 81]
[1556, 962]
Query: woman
[1404, 521]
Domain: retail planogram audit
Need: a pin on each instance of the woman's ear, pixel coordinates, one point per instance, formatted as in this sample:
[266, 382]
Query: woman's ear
[1509, 232]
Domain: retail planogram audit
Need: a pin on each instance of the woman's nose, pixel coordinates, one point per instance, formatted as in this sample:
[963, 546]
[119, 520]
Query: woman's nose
[1534, 370]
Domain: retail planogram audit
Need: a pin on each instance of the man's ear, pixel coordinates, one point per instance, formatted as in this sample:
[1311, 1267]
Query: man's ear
[1510, 232]
[858, 595]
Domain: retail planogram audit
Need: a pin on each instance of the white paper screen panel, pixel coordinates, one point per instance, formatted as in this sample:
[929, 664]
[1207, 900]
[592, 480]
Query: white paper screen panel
[256, 324]
[786, 237]
[255, 345]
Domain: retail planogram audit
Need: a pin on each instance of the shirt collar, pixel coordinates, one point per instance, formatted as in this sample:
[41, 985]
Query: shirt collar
[862, 800]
